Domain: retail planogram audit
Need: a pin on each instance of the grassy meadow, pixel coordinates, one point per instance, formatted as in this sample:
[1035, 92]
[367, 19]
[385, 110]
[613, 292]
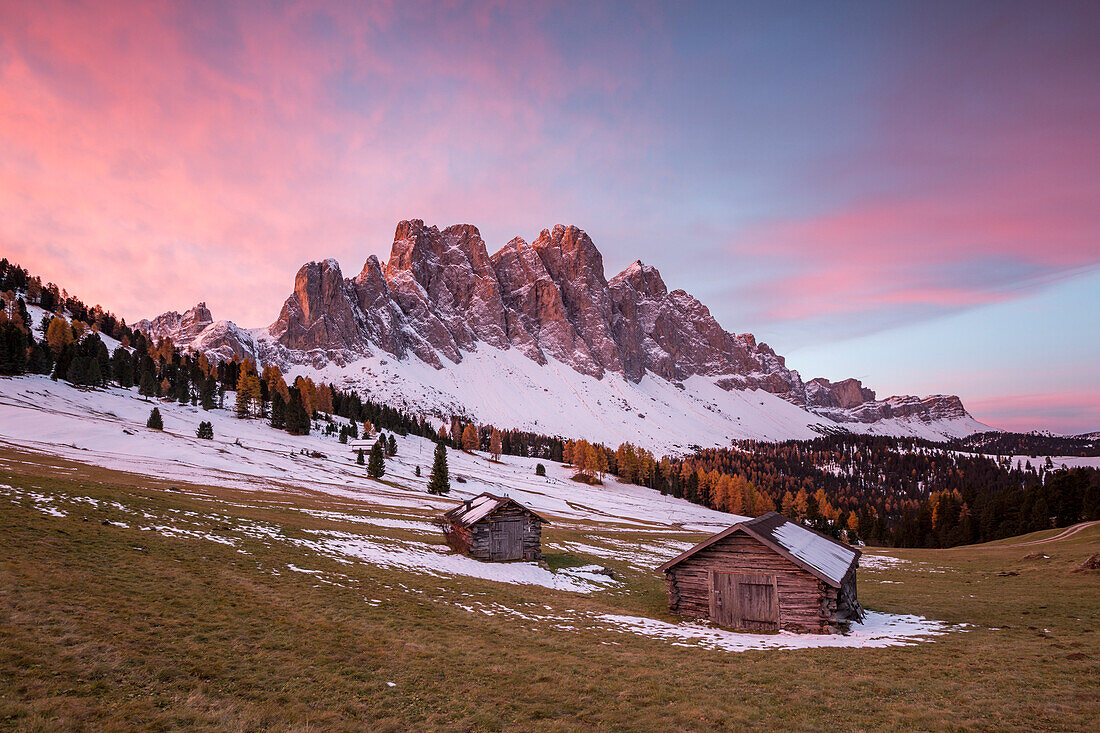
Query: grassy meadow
[105, 627]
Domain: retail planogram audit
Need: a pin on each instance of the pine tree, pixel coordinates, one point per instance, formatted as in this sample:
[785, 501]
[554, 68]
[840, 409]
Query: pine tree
[206, 430]
[353, 430]
[148, 386]
[98, 351]
[359, 457]
[40, 360]
[297, 419]
[155, 422]
[391, 446]
[206, 394]
[61, 363]
[418, 471]
[183, 389]
[377, 466]
[540, 470]
[77, 370]
[122, 368]
[93, 377]
[278, 411]
[438, 481]
[13, 349]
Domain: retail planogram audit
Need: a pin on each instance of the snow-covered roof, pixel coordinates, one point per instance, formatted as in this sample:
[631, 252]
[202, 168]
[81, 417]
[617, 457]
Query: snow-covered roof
[828, 559]
[832, 559]
[474, 510]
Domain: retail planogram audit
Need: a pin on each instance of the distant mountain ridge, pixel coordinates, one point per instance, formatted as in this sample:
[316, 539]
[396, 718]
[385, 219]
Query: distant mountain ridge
[442, 300]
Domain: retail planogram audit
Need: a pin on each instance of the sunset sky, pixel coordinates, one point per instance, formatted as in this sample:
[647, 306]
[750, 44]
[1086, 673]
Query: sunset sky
[908, 193]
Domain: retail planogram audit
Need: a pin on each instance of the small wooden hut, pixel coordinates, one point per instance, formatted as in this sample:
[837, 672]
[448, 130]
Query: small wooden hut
[493, 529]
[767, 574]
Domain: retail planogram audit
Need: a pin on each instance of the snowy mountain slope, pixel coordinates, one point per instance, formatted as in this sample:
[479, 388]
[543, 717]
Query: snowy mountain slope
[505, 388]
[493, 337]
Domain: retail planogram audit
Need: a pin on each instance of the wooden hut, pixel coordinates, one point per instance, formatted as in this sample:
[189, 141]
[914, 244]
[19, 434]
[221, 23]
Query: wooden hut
[767, 574]
[494, 528]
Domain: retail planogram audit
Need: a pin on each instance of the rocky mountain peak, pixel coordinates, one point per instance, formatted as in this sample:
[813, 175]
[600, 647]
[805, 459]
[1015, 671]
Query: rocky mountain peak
[441, 295]
[180, 327]
[320, 311]
[644, 279]
[569, 253]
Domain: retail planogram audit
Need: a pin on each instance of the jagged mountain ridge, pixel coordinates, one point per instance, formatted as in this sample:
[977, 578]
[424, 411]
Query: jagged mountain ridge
[441, 298]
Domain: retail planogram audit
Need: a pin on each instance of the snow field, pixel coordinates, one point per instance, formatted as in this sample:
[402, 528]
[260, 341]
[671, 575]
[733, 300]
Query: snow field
[505, 388]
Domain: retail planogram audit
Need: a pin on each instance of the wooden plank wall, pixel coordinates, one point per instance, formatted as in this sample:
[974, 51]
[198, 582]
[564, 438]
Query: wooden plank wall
[478, 546]
[805, 603]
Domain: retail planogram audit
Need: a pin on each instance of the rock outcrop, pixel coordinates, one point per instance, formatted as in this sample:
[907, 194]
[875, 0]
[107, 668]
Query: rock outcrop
[849, 393]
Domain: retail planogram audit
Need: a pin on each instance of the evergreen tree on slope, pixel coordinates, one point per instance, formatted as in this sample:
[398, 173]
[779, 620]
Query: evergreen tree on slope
[438, 481]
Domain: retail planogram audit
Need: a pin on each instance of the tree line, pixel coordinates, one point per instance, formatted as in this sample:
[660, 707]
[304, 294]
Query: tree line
[896, 491]
[1028, 444]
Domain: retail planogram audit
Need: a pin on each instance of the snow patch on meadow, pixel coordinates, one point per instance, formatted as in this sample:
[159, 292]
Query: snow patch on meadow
[877, 630]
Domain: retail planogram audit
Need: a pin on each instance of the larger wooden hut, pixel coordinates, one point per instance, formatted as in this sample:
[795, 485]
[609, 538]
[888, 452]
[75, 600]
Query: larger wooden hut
[494, 528]
[767, 574]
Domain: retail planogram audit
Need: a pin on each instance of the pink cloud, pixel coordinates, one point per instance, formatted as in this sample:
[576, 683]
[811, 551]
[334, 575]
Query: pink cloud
[909, 248]
[1074, 412]
[156, 155]
[979, 157]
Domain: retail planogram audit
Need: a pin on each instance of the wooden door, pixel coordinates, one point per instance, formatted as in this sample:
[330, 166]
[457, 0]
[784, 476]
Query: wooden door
[744, 602]
[506, 539]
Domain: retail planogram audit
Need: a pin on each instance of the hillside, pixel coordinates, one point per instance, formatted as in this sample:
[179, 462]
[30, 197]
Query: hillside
[107, 428]
[224, 592]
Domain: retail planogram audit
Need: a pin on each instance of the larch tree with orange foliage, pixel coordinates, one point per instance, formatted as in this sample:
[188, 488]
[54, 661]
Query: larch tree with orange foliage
[470, 439]
[495, 444]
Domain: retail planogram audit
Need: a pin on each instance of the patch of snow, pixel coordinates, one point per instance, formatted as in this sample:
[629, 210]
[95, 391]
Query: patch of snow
[436, 560]
[880, 562]
[877, 630]
[297, 569]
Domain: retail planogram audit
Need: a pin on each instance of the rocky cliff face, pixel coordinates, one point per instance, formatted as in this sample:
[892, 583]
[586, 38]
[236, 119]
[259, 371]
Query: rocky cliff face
[441, 295]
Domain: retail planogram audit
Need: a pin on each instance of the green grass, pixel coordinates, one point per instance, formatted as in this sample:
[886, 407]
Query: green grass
[107, 628]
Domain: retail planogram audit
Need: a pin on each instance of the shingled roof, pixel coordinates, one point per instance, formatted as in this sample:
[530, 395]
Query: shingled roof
[472, 511]
[826, 558]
